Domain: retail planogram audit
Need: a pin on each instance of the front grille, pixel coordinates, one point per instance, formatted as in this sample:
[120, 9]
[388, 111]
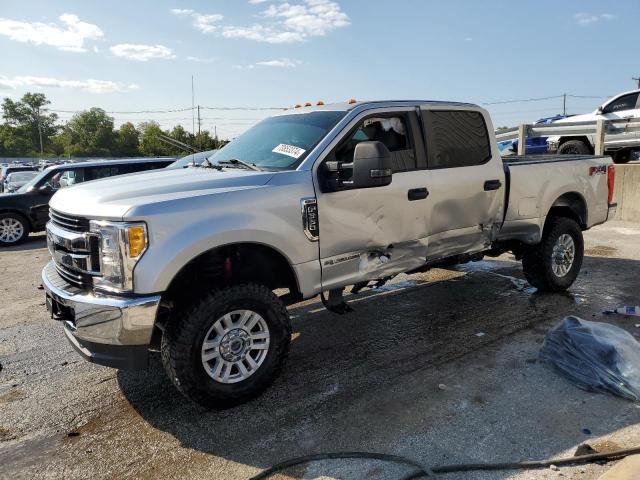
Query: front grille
[51, 271]
[74, 250]
[69, 222]
[77, 279]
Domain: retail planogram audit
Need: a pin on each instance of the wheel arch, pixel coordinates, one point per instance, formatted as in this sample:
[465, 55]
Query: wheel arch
[232, 264]
[21, 213]
[582, 138]
[570, 205]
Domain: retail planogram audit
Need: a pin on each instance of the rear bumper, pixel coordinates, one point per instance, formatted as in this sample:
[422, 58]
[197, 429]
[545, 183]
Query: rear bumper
[107, 330]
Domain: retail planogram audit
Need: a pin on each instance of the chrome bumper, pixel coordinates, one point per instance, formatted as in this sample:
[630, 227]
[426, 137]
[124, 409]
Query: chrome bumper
[104, 329]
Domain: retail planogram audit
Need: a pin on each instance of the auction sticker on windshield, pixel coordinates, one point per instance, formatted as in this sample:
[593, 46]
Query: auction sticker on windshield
[289, 150]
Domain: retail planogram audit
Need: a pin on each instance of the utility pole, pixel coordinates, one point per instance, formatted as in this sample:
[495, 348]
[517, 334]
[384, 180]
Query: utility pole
[637, 79]
[193, 112]
[564, 104]
[39, 131]
[199, 120]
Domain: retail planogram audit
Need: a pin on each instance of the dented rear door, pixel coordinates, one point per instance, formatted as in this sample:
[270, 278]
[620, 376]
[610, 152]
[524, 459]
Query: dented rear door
[466, 181]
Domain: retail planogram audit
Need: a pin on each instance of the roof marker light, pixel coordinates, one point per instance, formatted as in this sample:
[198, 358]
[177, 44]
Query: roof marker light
[308, 104]
[320, 103]
[351, 101]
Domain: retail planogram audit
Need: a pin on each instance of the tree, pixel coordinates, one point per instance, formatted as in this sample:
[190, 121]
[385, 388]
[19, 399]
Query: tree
[128, 140]
[151, 144]
[90, 134]
[28, 126]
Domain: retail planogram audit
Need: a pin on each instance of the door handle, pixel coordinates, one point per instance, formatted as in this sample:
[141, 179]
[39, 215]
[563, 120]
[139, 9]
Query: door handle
[417, 194]
[492, 185]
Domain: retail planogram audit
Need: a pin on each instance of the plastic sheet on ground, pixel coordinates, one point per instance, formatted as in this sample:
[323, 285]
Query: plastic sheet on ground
[595, 356]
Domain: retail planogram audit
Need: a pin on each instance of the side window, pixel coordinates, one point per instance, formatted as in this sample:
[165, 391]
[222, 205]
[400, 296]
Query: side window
[96, 173]
[626, 102]
[393, 131]
[71, 177]
[456, 138]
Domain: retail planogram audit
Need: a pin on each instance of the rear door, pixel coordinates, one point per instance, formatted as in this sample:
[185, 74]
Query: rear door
[371, 233]
[465, 181]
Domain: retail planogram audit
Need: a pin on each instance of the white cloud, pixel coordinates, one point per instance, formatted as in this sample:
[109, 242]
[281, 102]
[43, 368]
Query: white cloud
[195, 59]
[206, 23]
[140, 52]
[283, 23]
[70, 36]
[280, 63]
[313, 18]
[256, 2]
[585, 19]
[90, 85]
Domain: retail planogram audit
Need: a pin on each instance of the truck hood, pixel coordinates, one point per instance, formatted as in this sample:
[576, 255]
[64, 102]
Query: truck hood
[587, 117]
[112, 198]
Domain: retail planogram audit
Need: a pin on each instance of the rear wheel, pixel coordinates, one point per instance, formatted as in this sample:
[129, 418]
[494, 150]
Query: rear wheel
[229, 347]
[555, 262]
[14, 229]
[574, 147]
[622, 156]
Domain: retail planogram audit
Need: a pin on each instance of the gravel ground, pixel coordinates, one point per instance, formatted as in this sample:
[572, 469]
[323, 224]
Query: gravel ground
[440, 367]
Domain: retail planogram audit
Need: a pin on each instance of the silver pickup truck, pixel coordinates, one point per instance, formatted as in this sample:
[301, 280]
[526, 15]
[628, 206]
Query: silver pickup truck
[200, 263]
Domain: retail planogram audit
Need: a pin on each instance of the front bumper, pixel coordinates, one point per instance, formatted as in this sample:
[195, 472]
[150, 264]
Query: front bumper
[107, 330]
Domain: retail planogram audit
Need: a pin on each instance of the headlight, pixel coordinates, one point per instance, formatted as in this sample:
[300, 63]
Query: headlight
[121, 244]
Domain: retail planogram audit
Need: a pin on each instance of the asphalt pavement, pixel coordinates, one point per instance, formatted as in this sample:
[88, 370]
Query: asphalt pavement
[439, 367]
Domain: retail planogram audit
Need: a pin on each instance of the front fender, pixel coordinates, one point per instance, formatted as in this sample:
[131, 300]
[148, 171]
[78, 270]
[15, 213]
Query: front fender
[268, 215]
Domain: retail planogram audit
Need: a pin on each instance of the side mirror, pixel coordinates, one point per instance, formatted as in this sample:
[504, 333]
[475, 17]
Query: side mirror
[371, 167]
[46, 188]
[600, 111]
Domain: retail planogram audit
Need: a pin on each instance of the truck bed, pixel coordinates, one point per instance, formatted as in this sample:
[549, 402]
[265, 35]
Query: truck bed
[535, 183]
[512, 160]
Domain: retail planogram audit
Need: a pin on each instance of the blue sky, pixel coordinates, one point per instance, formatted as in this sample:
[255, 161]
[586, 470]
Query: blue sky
[140, 55]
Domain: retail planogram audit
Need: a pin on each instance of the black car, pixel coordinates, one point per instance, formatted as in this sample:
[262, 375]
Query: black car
[6, 170]
[27, 210]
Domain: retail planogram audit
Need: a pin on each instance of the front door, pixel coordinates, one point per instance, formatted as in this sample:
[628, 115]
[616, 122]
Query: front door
[373, 233]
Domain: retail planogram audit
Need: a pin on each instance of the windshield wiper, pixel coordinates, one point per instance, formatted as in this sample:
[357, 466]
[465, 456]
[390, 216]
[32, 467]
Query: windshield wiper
[237, 161]
[207, 164]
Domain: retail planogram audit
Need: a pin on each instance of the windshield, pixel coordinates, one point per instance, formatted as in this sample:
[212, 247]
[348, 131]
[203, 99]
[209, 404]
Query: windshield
[21, 176]
[279, 143]
[193, 159]
[33, 182]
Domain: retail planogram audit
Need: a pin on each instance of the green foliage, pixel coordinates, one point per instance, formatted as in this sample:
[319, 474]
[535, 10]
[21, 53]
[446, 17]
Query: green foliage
[89, 133]
[128, 140]
[26, 122]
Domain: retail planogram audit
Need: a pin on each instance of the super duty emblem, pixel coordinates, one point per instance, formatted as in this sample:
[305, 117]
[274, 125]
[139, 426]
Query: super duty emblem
[310, 221]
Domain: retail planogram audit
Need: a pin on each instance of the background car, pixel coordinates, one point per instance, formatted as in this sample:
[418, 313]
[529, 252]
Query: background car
[533, 145]
[27, 210]
[10, 168]
[15, 180]
[621, 146]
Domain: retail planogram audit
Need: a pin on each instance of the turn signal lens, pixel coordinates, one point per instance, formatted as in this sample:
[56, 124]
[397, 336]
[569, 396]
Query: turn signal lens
[137, 240]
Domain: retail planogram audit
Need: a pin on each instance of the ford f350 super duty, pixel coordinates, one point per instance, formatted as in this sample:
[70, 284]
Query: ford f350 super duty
[201, 263]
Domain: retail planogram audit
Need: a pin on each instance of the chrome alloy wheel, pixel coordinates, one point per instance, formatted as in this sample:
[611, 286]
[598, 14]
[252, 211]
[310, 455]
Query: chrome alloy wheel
[235, 346]
[11, 230]
[563, 255]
